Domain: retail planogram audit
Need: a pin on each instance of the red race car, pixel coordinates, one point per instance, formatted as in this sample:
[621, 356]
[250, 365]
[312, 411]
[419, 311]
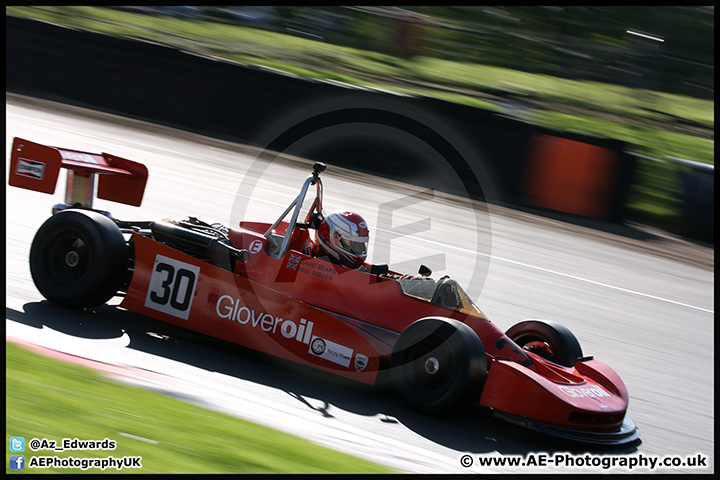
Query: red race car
[268, 287]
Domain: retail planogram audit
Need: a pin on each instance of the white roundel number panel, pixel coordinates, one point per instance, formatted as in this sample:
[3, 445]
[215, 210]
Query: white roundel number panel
[172, 286]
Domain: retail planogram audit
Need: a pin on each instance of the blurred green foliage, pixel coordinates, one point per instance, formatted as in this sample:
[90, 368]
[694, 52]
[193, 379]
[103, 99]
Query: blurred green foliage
[572, 68]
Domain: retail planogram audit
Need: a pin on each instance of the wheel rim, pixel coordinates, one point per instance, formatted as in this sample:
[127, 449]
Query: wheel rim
[549, 340]
[430, 364]
[68, 257]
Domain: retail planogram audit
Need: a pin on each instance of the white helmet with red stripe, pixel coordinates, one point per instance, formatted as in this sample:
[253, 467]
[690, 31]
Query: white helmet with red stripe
[345, 237]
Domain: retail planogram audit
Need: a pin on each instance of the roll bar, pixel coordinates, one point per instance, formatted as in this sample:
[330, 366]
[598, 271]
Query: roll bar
[315, 208]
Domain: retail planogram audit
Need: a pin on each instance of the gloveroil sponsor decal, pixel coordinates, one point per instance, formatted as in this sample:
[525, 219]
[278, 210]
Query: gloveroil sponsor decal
[30, 168]
[233, 309]
[172, 286]
[331, 351]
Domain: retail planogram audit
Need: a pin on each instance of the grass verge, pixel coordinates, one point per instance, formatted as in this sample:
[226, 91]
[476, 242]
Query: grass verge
[48, 398]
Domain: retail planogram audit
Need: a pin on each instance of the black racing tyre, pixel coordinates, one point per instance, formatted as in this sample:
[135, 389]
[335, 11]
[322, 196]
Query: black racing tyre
[550, 340]
[78, 259]
[437, 363]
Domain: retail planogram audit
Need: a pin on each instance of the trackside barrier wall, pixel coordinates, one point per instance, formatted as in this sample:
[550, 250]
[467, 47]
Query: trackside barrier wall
[525, 164]
[570, 176]
[698, 208]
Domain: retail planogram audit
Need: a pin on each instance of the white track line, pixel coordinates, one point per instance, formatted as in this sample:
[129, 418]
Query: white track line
[493, 257]
[574, 277]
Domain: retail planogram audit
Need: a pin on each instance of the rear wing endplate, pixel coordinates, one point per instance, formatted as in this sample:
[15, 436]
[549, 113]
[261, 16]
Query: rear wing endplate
[37, 167]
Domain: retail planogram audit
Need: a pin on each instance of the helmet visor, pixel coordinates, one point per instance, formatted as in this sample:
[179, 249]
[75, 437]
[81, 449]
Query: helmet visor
[357, 248]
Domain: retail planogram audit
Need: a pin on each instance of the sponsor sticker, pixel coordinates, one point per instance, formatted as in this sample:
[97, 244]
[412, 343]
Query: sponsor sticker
[30, 168]
[361, 362]
[318, 346]
[255, 246]
[331, 351]
[78, 157]
[577, 392]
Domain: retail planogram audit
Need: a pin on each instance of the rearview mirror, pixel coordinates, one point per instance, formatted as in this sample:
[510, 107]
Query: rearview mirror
[379, 269]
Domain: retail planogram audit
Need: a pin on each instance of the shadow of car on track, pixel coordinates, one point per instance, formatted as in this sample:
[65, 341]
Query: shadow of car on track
[467, 429]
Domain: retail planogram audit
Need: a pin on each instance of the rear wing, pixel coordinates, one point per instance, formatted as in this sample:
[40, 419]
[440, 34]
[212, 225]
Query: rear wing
[37, 167]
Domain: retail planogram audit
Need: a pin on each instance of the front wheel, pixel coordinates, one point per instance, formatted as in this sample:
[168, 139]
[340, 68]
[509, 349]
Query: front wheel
[78, 259]
[436, 363]
[550, 340]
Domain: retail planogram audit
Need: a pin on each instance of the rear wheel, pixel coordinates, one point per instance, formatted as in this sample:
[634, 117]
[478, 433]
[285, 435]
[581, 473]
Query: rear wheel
[78, 259]
[436, 363]
[550, 340]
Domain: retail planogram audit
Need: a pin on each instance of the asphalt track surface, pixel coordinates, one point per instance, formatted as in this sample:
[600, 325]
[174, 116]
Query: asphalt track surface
[631, 305]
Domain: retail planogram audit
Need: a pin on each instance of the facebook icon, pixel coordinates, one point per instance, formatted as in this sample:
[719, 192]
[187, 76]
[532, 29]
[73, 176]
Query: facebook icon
[17, 462]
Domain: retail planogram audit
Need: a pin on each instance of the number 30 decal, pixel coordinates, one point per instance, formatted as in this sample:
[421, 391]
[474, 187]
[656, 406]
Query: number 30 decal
[172, 287]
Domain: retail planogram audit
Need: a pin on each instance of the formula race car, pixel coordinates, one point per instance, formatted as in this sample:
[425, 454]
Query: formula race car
[262, 286]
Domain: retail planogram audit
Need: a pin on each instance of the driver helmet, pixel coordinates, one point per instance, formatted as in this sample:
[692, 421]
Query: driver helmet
[344, 236]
